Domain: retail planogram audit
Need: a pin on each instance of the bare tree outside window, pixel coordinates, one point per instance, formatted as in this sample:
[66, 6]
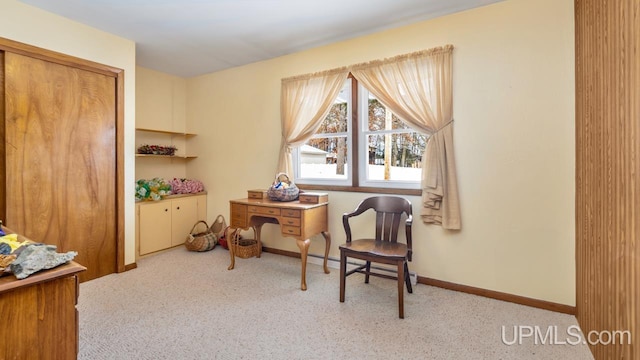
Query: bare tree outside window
[391, 152]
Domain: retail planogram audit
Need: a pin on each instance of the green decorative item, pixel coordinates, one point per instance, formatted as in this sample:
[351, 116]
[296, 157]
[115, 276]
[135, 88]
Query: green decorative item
[154, 189]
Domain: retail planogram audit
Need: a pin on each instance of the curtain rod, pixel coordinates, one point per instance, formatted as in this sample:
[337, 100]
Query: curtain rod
[435, 50]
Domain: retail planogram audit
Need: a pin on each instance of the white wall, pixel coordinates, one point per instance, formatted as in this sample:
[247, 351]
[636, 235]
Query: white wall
[514, 143]
[36, 27]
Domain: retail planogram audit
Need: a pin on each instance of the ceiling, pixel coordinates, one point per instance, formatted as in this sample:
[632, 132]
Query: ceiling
[194, 37]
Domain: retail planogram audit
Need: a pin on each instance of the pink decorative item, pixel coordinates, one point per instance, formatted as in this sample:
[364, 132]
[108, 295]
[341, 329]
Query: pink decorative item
[186, 186]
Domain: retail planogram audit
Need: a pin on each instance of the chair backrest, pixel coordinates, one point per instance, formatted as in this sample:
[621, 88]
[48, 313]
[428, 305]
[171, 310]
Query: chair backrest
[389, 210]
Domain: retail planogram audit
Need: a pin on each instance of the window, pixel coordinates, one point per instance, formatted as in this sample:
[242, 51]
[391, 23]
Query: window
[325, 158]
[360, 146]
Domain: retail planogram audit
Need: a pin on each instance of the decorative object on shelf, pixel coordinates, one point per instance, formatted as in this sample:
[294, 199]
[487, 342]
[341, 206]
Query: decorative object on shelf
[202, 241]
[186, 186]
[157, 150]
[154, 189]
[283, 189]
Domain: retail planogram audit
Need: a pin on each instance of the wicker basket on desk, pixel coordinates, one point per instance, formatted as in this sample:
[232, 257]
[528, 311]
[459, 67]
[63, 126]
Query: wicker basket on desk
[283, 189]
[242, 248]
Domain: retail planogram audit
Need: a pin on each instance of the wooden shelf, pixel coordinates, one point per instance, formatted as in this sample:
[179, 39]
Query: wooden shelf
[168, 156]
[166, 132]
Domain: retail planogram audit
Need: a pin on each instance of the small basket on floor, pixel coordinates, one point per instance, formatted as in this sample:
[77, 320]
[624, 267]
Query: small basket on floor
[242, 248]
[202, 241]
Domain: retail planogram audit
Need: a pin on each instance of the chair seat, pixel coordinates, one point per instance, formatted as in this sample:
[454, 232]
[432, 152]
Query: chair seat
[377, 248]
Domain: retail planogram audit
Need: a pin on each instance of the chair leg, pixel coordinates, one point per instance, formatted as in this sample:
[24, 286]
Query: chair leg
[407, 278]
[401, 289]
[343, 271]
[366, 276]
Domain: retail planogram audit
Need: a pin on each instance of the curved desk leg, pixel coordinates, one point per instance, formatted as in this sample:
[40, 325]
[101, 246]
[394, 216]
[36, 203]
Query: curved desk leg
[257, 229]
[231, 253]
[304, 249]
[327, 241]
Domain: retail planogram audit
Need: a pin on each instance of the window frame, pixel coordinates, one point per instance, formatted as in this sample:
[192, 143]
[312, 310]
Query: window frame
[355, 138]
[362, 132]
[296, 154]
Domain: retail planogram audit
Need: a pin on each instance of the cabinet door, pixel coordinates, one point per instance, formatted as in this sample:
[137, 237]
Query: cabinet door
[183, 216]
[202, 208]
[155, 227]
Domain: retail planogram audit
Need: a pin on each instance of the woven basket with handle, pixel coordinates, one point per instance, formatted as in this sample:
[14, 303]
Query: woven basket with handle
[283, 189]
[201, 241]
[242, 248]
[218, 226]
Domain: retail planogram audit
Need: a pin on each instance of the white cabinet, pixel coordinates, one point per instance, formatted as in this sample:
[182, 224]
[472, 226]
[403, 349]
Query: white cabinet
[166, 223]
[184, 214]
[154, 226]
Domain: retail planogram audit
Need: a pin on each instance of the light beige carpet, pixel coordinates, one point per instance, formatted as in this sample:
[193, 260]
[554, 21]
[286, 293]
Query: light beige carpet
[185, 305]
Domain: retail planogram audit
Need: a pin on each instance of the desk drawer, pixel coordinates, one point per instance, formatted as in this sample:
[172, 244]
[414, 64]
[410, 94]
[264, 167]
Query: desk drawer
[238, 215]
[264, 210]
[257, 194]
[291, 213]
[313, 198]
[290, 221]
[238, 221]
[291, 230]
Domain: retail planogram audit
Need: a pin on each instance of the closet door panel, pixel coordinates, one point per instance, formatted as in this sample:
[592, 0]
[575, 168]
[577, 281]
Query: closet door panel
[60, 153]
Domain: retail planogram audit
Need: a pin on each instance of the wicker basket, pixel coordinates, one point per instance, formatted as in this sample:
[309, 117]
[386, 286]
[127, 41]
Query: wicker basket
[218, 226]
[202, 241]
[242, 248]
[279, 192]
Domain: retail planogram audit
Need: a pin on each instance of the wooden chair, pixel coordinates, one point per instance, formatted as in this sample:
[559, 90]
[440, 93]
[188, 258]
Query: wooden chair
[384, 248]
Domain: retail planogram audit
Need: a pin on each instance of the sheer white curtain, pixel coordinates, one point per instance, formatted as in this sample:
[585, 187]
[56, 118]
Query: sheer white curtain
[304, 103]
[417, 87]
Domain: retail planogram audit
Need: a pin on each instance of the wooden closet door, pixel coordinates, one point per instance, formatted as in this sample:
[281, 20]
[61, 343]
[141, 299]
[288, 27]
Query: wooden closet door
[60, 147]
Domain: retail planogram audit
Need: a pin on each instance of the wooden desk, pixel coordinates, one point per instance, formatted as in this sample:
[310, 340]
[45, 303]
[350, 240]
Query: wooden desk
[297, 220]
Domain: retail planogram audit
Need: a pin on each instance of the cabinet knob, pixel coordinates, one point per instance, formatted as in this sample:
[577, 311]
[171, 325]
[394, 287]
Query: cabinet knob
[166, 209]
[178, 208]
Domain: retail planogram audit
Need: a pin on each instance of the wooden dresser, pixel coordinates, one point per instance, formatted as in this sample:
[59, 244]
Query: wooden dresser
[39, 319]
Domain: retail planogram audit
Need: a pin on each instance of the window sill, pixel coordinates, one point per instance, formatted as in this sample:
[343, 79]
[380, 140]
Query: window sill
[375, 190]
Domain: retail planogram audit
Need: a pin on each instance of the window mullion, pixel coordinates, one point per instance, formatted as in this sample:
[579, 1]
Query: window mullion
[355, 134]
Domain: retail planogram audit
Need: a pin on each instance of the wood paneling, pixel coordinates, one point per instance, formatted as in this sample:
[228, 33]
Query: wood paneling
[3, 204]
[607, 172]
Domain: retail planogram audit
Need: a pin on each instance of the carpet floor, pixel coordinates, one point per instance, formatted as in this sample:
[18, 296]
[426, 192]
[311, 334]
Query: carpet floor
[185, 305]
